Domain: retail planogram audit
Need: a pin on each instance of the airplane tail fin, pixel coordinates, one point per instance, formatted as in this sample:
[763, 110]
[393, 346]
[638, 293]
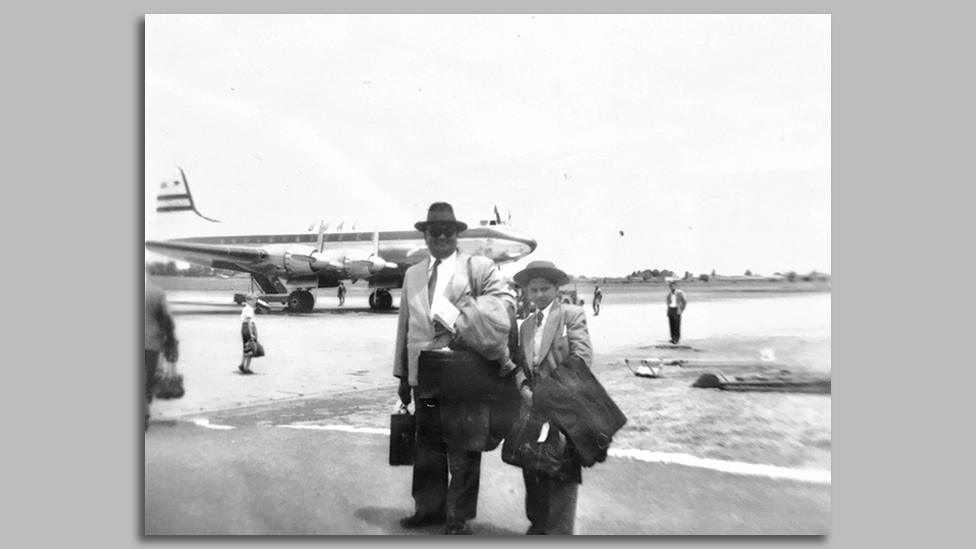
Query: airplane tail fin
[176, 211]
[174, 196]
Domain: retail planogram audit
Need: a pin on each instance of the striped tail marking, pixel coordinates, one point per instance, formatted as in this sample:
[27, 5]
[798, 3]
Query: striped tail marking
[174, 196]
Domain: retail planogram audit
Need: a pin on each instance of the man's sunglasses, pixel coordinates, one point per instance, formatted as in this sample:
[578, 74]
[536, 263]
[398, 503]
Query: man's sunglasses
[438, 230]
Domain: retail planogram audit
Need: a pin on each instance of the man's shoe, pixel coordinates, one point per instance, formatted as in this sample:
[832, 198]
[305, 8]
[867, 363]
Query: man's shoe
[458, 529]
[417, 521]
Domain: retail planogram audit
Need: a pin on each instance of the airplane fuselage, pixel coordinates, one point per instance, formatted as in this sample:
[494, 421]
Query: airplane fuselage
[500, 243]
[319, 259]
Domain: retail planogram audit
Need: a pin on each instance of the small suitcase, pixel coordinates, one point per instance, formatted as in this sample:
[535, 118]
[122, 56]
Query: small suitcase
[402, 436]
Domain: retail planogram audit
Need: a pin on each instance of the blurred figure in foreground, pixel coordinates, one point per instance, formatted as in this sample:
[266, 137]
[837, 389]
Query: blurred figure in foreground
[160, 338]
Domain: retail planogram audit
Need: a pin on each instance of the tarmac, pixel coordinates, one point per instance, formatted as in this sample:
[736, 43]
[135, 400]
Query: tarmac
[250, 475]
[300, 448]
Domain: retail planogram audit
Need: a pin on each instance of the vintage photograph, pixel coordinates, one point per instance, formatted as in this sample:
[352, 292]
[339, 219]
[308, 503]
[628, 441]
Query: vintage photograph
[489, 275]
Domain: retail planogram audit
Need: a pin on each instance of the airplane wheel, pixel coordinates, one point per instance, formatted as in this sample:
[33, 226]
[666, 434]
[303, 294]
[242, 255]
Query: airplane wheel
[373, 301]
[385, 300]
[295, 300]
[308, 302]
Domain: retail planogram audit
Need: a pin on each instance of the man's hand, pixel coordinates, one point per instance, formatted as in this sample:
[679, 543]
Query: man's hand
[404, 391]
[526, 395]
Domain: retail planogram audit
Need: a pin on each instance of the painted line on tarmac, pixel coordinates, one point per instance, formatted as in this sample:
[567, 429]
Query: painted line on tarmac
[343, 428]
[815, 476]
[204, 422]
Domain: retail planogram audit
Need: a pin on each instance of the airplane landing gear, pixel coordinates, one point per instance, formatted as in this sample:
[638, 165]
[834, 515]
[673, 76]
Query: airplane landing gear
[380, 300]
[301, 301]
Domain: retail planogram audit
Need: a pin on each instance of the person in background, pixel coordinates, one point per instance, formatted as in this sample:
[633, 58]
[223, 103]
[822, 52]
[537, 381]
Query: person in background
[249, 334]
[342, 294]
[675, 300]
[556, 332]
[597, 300]
[160, 338]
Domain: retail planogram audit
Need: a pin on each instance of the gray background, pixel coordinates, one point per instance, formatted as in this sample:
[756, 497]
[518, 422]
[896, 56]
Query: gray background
[73, 167]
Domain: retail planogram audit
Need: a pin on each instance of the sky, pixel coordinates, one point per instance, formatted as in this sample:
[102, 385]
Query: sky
[619, 142]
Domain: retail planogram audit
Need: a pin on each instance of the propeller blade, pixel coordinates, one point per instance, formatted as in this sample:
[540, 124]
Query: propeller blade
[321, 240]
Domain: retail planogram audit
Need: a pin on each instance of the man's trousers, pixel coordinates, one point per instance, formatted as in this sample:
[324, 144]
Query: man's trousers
[446, 477]
[674, 322]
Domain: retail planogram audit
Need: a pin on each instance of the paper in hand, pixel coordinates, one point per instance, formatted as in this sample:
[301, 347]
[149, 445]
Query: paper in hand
[444, 312]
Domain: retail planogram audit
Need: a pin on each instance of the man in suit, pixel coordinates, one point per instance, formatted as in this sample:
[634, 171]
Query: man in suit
[451, 434]
[548, 338]
[675, 301]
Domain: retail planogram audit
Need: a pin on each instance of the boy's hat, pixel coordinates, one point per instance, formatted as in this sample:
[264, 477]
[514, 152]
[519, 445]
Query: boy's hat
[541, 269]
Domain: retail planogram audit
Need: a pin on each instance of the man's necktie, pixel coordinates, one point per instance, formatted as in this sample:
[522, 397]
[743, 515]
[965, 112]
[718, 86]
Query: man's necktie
[538, 319]
[432, 282]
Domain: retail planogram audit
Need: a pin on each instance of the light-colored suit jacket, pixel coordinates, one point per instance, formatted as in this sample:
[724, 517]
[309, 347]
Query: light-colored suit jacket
[679, 299]
[415, 330]
[564, 333]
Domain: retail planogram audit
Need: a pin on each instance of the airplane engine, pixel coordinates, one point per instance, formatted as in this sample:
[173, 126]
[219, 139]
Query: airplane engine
[362, 264]
[355, 264]
[302, 260]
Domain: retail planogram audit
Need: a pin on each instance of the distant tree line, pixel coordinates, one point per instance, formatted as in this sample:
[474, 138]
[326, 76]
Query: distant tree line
[650, 274]
[659, 275]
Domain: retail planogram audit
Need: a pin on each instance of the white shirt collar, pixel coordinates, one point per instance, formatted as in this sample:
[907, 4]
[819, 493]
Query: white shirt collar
[451, 258]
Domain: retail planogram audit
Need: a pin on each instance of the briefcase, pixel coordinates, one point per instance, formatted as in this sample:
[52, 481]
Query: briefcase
[402, 436]
[456, 375]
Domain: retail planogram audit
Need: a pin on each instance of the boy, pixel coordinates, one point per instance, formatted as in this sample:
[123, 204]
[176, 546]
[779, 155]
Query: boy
[547, 338]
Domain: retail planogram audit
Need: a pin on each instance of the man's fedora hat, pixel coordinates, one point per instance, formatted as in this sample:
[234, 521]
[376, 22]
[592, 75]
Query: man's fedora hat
[440, 212]
[540, 269]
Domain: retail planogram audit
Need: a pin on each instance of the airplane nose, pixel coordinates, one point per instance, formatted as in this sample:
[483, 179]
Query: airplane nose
[526, 244]
[510, 244]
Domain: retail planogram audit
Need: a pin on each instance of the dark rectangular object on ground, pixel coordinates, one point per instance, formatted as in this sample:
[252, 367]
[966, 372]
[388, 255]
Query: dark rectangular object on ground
[811, 386]
[456, 375]
[402, 437]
